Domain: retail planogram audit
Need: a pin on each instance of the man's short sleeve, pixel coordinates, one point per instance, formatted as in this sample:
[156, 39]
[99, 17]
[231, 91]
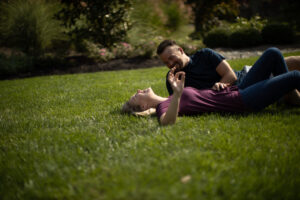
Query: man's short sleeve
[212, 58]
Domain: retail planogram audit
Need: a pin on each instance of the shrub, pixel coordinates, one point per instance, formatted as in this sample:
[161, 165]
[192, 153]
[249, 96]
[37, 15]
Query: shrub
[174, 16]
[217, 38]
[29, 25]
[189, 49]
[208, 13]
[146, 49]
[97, 52]
[14, 64]
[196, 35]
[148, 20]
[278, 34]
[254, 22]
[104, 22]
[122, 50]
[119, 50]
[245, 37]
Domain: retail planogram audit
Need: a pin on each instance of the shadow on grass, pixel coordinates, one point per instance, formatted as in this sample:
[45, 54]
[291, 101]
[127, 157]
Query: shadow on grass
[280, 110]
[271, 110]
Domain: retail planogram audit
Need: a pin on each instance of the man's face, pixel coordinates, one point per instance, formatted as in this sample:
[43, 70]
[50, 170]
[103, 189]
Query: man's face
[172, 56]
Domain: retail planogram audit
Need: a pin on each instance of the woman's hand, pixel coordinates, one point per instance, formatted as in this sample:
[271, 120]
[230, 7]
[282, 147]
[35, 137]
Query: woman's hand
[220, 86]
[176, 81]
[177, 84]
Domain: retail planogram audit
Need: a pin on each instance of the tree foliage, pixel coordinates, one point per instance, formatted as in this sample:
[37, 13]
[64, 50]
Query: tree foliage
[274, 10]
[101, 21]
[284, 34]
[207, 13]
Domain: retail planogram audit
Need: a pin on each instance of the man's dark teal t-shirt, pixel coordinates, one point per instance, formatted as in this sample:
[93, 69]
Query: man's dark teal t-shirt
[201, 71]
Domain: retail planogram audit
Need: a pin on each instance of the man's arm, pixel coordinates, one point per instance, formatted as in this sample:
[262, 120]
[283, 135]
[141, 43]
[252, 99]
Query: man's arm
[227, 74]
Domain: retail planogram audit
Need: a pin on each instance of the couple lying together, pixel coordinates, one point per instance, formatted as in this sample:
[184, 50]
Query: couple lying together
[205, 83]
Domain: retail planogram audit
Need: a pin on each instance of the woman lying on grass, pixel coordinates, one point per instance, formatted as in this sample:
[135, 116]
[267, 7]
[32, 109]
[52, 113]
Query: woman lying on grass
[258, 92]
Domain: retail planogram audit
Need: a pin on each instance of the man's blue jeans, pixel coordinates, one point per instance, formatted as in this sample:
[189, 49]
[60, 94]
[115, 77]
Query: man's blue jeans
[258, 90]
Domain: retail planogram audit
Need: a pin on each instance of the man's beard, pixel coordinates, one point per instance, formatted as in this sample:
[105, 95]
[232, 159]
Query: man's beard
[179, 67]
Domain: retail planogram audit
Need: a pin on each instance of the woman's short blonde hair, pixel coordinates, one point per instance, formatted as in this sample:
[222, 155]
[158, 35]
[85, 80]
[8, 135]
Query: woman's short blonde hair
[136, 110]
[127, 108]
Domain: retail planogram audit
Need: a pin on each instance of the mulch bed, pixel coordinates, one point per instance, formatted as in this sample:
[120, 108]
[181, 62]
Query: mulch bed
[81, 64]
[117, 64]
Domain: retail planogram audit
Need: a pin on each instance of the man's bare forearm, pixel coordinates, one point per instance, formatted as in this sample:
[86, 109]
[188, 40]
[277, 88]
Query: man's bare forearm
[226, 72]
[229, 78]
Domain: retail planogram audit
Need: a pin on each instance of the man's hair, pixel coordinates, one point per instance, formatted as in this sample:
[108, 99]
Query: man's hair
[163, 45]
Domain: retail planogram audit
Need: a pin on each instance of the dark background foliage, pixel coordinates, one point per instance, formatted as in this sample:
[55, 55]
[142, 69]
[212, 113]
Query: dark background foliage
[104, 21]
[38, 34]
[208, 13]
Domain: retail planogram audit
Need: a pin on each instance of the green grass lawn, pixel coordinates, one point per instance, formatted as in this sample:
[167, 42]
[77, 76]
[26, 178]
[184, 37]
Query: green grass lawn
[63, 137]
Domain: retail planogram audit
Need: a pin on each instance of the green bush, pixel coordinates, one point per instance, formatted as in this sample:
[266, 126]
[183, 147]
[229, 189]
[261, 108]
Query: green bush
[217, 38]
[254, 22]
[29, 25]
[18, 64]
[119, 50]
[208, 13]
[174, 16]
[189, 49]
[147, 49]
[278, 34]
[148, 21]
[102, 21]
[245, 37]
[15, 64]
[97, 52]
[196, 35]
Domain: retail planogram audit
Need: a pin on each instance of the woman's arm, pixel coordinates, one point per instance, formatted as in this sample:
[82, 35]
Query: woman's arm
[177, 83]
[170, 116]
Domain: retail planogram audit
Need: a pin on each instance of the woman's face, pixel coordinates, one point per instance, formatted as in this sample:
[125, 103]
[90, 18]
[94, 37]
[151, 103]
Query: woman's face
[141, 98]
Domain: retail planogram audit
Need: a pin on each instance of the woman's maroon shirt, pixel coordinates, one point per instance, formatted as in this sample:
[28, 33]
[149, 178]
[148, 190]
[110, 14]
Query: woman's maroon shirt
[194, 101]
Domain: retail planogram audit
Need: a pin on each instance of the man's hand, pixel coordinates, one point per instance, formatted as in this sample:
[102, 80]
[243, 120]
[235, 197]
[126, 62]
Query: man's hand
[176, 80]
[220, 86]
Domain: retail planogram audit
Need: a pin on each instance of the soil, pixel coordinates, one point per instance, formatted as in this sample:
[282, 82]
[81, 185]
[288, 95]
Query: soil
[117, 64]
[82, 64]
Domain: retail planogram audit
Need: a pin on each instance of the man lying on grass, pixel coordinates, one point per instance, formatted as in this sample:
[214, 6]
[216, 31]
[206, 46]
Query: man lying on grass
[256, 94]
